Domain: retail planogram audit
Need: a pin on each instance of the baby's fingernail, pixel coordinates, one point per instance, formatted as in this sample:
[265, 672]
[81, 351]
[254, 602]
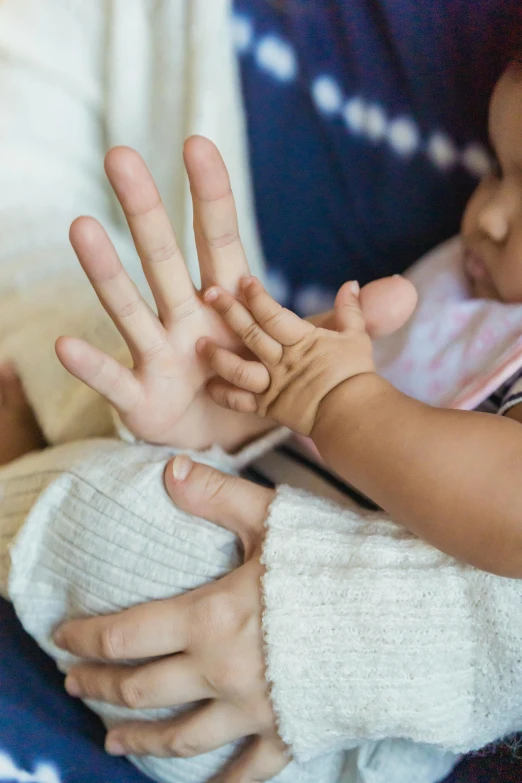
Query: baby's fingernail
[246, 281]
[72, 687]
[200, 345]
[114, 747]
[181, 467]
[210, 294]
[355, 287]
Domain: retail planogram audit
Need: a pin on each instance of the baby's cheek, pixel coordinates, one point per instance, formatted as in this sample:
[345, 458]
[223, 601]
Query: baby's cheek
[509, 280]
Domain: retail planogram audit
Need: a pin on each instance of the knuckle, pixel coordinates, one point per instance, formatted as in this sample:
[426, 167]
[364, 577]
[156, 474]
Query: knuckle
[240, 376]
[251, 334]
[354, 311]
[224, 679]
[154, 350]
[184, 308]
[217, 486]
[184, 747]
[161, 253]
[231, 400]
[222, 611]
[113, 643]
[130, 309]
[227, 305]
[216, 615]
[131, 694]
[223, 240]
[273, 317]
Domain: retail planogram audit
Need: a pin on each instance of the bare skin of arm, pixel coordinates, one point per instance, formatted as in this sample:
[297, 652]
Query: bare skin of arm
[451, 477]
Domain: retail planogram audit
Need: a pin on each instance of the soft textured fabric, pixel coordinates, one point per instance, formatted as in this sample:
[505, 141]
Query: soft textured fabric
[96, 533]
[431, 648]
[455, 351]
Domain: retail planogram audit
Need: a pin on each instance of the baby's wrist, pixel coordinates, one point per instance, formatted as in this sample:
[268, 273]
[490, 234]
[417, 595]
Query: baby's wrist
[347, 402]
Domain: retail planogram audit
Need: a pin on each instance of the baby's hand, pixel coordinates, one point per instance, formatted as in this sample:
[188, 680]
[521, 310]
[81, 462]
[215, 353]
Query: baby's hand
[299, 364]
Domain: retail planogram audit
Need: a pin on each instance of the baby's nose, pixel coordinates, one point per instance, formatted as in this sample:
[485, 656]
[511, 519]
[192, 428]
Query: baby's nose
[493, 221]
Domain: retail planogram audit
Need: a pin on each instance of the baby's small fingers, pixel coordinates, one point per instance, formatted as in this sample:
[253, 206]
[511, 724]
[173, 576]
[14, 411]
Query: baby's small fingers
[348, 313]
[251, 376]
[244, 325]
[99, 371]
[283, 325]
[228, 396]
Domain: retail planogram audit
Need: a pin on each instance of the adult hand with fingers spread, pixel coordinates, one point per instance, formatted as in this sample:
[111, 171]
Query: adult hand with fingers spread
[207, 644]
[163, 398]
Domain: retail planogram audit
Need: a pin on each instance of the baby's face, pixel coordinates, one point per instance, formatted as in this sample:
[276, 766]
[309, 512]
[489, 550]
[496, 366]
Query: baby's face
[492, 222]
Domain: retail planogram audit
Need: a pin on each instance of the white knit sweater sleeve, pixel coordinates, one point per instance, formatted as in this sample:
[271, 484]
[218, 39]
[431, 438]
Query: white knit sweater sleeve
[372, 633]
[52, 142]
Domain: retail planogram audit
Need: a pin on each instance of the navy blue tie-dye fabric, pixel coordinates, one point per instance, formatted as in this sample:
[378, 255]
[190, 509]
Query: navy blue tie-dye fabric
[367, 126]
[45, 736]
[367, 129]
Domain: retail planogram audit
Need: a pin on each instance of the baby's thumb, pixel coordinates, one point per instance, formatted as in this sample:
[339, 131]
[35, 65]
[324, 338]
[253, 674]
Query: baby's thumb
[348, 314]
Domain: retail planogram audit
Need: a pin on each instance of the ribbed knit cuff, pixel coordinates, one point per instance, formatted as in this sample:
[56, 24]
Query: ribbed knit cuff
[371, 633]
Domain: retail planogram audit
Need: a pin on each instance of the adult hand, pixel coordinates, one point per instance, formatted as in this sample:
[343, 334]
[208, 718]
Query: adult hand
[163, 346]
[208, 645]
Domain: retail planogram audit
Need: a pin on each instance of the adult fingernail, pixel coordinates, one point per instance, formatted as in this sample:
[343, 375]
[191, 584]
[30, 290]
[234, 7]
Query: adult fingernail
[210, 294]
[181, 467]
[355, 287]
[72, 686]
[114, 747]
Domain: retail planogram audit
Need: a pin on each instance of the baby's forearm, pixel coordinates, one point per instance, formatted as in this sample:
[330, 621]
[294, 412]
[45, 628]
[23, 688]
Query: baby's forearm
[451, 477]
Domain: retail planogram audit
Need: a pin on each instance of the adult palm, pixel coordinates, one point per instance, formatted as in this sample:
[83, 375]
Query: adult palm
[162, 398]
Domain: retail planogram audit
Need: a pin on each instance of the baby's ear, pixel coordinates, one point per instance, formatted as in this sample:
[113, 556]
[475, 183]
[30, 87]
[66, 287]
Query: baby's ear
[387, 304]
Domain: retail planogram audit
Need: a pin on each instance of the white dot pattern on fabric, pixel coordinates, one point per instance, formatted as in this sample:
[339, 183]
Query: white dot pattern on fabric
[326, 94]
[242, 32]
[403, 136]
[441, 150]
[368, 120]
[44, 773]
[354, 115]
[276, 57]
[375, 123]
[314, 299]
[476, 160]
